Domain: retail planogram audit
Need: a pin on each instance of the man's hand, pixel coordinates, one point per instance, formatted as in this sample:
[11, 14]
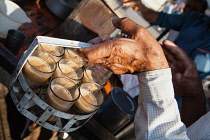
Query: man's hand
[150, 15]
[186, 83]
[186, 80]
[141, 52]
[135, 4]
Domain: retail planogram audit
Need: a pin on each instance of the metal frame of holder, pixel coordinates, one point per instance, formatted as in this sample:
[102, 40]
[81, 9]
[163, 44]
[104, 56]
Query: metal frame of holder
[29, 103]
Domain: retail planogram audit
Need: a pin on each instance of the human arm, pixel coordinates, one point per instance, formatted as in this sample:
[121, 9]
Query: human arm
[149, 14]
[200, 129]
[157, 116]
[186, 83]
[142, 54]
[127, 55]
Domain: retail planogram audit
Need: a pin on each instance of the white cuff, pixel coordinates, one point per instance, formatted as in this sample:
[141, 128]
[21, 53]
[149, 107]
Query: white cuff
[156, 84]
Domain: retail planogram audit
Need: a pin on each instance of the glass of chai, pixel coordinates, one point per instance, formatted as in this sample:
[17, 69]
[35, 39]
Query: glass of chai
[69, 69]
[61, 94]
[38, 68]
[95, 75]
[72, 54]
[56, 52]
[91, 98]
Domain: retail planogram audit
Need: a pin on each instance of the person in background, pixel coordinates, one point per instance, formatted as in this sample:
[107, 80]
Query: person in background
[130, 82]
[194, 28]
[196, 6]
[157, 116]
[169, 7]
[188, 6]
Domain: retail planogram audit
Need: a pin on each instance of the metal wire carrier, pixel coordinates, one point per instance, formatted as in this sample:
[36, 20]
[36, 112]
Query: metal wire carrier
[31, 105]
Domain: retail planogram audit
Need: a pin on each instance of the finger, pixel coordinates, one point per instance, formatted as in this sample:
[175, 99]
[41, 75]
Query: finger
[115, 68]
[128, 3]
[95, 41]
[124, 1]
[132, 29]
[178, 80]
[173, 68]
[176, 51]
[97, 52]
[177, 77]
[168, 55]
[136, 8]
[191, 71]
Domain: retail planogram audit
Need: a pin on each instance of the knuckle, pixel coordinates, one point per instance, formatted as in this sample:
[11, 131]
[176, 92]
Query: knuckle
[140, 30]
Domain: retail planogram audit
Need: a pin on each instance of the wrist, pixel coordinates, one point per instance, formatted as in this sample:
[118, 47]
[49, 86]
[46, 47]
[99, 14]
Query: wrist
[151, 82]
[157, 65]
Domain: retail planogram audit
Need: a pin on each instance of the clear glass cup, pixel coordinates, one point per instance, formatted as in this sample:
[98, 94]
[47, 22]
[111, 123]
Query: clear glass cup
[69, 69]
[38, 68]
[56, 52]
[94, 75]
[61, 94]
[72, 54]
[91, 98]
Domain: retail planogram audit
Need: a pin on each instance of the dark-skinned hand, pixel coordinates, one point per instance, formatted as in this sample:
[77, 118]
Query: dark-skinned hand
[186, 80]
[135, 4]
[140, 52]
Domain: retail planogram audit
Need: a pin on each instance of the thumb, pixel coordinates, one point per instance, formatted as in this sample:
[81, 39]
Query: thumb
[127, 26]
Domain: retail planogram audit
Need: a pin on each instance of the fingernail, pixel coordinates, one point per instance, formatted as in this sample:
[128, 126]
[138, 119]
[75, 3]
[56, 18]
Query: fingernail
[168, 42]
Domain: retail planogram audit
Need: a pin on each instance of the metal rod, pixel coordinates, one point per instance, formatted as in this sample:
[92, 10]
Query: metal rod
[121, 6]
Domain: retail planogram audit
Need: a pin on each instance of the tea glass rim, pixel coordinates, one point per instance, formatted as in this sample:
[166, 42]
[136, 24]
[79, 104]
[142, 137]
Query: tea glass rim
[44, 60]
[72, 68]
[91, 93]
[92, 81]
[67, 50]
[50, 53]
[76, 86]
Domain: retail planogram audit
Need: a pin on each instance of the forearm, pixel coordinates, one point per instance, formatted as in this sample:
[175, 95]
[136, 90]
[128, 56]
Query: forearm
[192, 109]
[157, 115]
[148, 14]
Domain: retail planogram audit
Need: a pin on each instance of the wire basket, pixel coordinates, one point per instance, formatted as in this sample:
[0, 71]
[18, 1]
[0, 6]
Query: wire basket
[32, 105]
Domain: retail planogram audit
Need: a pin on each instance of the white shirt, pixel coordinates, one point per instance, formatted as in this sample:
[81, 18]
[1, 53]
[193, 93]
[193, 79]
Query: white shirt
[158, 116]
[130, 84]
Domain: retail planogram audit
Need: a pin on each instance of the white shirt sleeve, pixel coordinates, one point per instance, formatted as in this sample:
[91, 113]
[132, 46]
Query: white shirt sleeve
[157, 116]
[200, 130]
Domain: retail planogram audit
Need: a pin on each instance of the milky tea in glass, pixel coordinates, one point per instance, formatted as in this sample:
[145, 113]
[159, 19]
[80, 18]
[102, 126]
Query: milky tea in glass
[94, 75]
[69, 69]
[55, 51]
[38, 68]
[71, 54]
[61, 94]
[90, 99]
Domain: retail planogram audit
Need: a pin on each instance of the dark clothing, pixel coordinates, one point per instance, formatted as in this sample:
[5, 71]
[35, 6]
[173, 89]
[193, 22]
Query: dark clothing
[194, 32]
